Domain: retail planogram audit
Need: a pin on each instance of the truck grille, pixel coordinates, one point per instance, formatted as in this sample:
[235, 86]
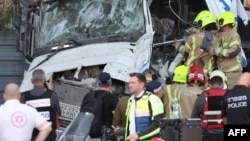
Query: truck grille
[64, 122]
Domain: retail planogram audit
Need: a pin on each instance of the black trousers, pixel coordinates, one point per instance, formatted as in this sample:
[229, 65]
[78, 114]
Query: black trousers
[212, 135]
[51, 137]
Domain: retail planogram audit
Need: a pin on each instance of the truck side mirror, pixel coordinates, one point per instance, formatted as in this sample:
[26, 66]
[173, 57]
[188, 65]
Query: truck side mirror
[16, 21]
[29, 7]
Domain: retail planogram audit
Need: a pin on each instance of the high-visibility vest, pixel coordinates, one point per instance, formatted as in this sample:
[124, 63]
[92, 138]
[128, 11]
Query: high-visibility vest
[212, 117]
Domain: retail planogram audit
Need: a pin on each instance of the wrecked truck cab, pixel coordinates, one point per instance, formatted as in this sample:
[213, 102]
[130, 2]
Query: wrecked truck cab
[74, 40]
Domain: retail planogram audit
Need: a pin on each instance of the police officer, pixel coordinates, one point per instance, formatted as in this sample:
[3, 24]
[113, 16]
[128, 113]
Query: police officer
[45, 101]
[199, 47]
[155, 87]
[235, 108]
[229, 50]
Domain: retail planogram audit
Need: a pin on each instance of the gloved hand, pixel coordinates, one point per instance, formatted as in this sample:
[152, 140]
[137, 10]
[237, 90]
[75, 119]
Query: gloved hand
[176, 44]
[217, 51]
[191, 30]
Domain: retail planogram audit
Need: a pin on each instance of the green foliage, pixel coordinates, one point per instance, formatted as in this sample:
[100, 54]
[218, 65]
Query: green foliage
[6, 18]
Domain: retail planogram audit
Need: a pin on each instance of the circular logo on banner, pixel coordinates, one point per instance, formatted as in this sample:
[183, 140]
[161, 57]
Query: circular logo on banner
[19, 119]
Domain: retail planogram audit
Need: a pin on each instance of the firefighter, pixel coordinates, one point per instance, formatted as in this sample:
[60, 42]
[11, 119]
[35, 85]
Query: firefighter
[181, 95]
[199, 47]
[208, 107]
[229, 50]
[194, 28]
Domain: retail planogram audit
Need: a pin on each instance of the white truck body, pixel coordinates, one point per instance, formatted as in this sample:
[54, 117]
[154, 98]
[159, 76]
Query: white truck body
[74, 40]
[120, 59]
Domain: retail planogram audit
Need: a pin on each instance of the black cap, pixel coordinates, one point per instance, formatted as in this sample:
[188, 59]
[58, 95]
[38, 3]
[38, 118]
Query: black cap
[104, 78]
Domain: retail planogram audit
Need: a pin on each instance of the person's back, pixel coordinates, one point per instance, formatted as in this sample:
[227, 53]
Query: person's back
[216, 84]
[44, 100]
[19, 116]
[208, 108]
[18, 120]
[236, 102]
[200, 46]
[108, 102]
[181, 95]
[181, 99]
[197, 56]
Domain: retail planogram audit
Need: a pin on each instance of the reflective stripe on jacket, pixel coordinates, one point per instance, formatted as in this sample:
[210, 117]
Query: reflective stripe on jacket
[212, 118]
[147, 107]
[186, 96]
[229, 60]
[198, 55]
[43, 105]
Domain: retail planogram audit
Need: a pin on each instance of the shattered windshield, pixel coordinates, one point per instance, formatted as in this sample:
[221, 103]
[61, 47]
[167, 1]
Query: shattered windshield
[88, 19]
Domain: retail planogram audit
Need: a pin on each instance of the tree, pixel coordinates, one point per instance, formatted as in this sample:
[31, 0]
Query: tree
[7, 10]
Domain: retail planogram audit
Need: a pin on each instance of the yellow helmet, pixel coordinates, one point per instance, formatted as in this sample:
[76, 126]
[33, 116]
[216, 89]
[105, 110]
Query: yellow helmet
[199, 15]
[180, 74]
[224, 18]
[204, 18]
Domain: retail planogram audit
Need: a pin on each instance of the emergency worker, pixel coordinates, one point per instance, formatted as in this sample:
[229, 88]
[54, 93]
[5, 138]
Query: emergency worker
[228, 52]
[181, 95]
[18, 120]
[157, 88]
[44, 100]
[195, 28]
[144, 111]
[208, 107]
[220, 74]
[235, 108]
[199, 47]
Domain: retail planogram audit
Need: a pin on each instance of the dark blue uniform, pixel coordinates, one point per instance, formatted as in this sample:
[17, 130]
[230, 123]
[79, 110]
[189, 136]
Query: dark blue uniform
[236, 105]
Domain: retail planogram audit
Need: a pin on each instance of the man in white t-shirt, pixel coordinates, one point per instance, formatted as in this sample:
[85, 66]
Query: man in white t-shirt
[18, 120]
